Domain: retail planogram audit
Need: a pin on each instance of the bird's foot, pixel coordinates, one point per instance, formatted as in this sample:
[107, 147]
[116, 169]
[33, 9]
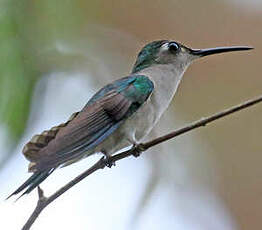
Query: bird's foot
[107, 159]
[137, 149]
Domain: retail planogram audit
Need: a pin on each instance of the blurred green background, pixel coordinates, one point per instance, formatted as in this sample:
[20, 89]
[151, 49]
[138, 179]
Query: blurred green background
[44, 44]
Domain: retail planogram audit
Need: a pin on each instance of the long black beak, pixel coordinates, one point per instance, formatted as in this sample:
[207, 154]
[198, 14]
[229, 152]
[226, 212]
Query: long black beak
[217, 50]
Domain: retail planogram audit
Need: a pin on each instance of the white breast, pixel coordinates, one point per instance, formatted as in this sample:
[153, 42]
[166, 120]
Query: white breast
[166, 79]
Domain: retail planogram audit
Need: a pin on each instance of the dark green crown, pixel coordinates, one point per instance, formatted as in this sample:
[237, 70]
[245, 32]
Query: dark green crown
[147, 55]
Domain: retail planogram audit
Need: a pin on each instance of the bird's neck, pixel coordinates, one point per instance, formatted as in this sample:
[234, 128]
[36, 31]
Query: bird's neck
[166, 79]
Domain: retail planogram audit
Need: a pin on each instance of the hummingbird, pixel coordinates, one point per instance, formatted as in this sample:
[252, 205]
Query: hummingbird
[119, 115]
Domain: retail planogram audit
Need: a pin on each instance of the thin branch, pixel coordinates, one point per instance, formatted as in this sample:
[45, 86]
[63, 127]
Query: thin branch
[136, 150]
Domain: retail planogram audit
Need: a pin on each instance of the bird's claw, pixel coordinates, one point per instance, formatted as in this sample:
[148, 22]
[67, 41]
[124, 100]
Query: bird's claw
[107, 159]
[108, 162]
[137, 149]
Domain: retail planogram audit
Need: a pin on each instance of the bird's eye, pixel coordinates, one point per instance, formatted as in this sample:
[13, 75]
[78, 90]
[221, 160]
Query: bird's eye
[173, 47]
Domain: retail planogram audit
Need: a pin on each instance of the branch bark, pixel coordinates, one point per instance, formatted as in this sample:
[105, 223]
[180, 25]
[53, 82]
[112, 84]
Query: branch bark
[136, 150]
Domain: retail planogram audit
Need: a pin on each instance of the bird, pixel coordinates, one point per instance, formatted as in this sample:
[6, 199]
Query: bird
[119, 115]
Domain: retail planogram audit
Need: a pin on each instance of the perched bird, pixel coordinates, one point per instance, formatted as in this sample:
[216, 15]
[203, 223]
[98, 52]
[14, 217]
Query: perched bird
[119, 115]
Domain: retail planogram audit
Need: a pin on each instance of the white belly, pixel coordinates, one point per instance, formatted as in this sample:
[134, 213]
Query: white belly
[140, 124]
[131, 131]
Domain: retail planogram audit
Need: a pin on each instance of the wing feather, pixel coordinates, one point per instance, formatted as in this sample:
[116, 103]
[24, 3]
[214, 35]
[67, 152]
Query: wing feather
[101, 116]
[39, 141]
[90, 127]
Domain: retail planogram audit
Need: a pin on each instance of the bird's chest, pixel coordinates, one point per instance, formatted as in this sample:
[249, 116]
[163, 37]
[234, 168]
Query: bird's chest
[141, 123]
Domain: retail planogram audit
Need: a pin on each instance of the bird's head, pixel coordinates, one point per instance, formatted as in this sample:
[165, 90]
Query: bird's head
[170, 52]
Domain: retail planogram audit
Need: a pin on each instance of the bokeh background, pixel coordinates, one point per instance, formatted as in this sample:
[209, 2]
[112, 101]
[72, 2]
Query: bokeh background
[56, 54]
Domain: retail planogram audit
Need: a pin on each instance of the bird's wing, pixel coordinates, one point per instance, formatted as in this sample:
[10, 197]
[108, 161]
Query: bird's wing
[39, 141]
[101, 116]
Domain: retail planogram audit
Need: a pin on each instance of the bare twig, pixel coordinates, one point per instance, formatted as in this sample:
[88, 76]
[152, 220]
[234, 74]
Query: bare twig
[103, 162]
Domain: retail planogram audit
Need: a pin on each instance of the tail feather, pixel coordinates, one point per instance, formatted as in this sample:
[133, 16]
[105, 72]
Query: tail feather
[32, 182]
